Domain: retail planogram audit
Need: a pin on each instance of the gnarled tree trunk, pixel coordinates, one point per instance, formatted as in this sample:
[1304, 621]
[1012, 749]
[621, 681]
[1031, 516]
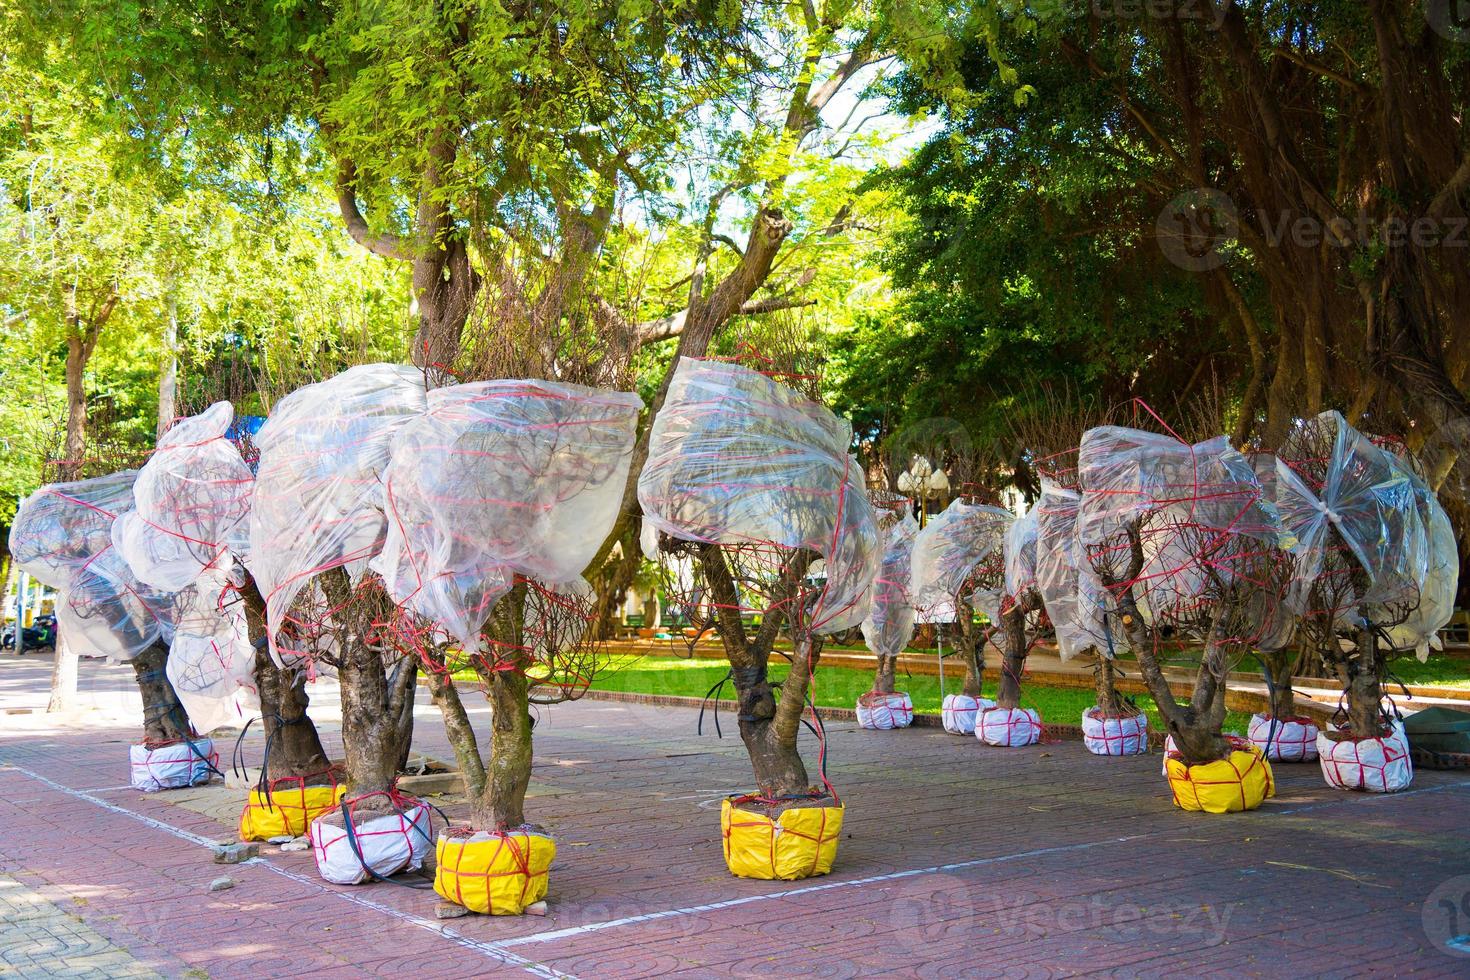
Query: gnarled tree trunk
[970, 645]
[1361, 674]
[1105, 680]
[885, 677]
[1280, 667]
[294, 749]
[768, 725]
[164, 717]
[1013, 664]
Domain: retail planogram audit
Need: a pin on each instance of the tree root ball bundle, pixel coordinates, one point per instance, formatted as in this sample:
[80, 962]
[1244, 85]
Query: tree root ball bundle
[1379, 764]
[958, 712]
[764, 841]
[1284, 739]
[388, 834]
[1104, 735]
[172, 766]
[493, 872]
[287, 807]
[1008, 727]
[1238, 782]
[882, 712]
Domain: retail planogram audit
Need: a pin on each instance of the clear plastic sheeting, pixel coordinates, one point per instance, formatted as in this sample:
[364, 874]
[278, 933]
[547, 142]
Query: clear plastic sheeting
[736, 458]
[890, 621]
[318, 491]
[192, 504]
[947, 553]
[1385, 516]
[499, 479]
[1201, 514]
[1126, 473]
[62, 535]
[1020, 554]
[211, 661]
[1075, 600]
[189, 500]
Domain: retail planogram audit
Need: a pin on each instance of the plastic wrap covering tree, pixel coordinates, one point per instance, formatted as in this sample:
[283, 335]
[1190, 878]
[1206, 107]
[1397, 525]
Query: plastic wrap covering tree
[498, 497]
[210, 661]
[501, 480]
[62, 535]
[191, 501]
[1376, 562]
[316, 519]
[959, 556]
[1018, 616]
[751, 482]
[1190, 551]
[889, 624]
[191, 526]
[1070, 591]
[190, 497]
[317, 504]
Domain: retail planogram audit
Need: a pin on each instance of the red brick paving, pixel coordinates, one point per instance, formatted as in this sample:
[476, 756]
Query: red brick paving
[1049, 862]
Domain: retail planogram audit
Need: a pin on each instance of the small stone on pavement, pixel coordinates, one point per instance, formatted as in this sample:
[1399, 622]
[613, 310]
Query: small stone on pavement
[235, 853]
[296, 844]
[448, 910]
[220, 884]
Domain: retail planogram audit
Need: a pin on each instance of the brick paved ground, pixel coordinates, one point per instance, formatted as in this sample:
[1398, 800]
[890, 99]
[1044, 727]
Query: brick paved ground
[1040, 861]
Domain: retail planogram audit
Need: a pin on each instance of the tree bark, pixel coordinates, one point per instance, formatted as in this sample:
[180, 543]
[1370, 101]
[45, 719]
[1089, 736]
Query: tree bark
[970, 645]
[164, 717]
[767, 727]
[885, 678]
[460, 732]
[294, 748]
[1013, 664]
[377, 693]
[64, 669]
[1104, 675]
[1362, 677]
[169, 373]
[1281, 666]
[1196, 727]
[501, 804]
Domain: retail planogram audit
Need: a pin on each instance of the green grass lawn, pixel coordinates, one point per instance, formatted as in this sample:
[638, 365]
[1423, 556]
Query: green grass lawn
[839, 687]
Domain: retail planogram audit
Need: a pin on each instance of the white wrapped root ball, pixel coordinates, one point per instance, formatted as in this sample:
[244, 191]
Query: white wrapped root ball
[1104, 735]
[959, 710]
[1374, 765]
[1284, 739]
[379, 846]
[881, 712]
[1008, 727]
[174, 766]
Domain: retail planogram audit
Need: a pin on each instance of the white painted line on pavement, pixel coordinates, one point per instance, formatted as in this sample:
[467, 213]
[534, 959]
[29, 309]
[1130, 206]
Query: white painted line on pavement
[493, 950]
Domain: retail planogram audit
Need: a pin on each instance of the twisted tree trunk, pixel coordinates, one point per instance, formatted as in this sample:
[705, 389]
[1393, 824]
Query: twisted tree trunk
[164, 717]
[768, 725]
[294, 747]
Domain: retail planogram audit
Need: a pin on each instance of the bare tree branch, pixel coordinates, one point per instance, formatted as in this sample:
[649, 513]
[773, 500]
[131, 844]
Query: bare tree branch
[389, 246]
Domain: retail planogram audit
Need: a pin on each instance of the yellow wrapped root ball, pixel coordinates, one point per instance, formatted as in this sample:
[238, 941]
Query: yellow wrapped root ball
[1240, 781]
[493, 873]
[288, 807]
[798, 843]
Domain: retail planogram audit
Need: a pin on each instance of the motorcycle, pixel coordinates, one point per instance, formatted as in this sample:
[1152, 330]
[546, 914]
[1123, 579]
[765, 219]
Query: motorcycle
[39, 635]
